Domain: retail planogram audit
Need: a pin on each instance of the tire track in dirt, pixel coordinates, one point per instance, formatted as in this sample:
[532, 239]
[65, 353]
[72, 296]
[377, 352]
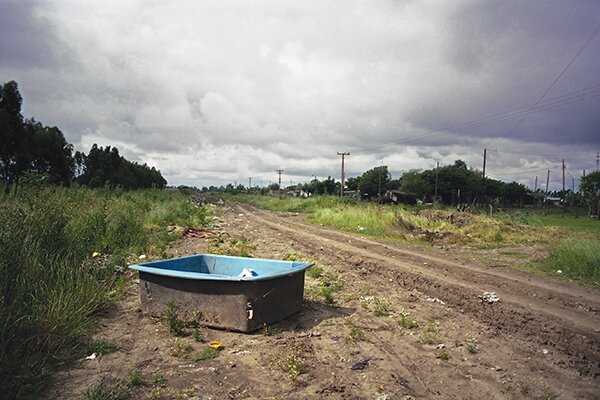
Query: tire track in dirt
[569, 331]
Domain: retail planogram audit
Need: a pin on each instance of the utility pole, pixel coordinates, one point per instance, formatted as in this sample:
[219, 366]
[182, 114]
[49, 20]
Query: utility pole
[547, 182]
[597, 159]
[249, 182]
[573, 185]
[484, 159]
[342, 188]
[563, 170]
[535, 191]
[279, 172]
[379, 189]
[437, 167]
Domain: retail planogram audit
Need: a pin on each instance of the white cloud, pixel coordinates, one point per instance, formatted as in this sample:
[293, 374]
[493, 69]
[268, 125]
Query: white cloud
[214, 92]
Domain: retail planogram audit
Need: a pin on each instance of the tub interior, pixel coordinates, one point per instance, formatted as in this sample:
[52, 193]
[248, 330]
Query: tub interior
[224, 266]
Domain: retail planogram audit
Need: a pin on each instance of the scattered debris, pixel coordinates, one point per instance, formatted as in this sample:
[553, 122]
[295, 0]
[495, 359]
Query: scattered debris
[489, 297]
[441, 346]
[142, 257]
[558, 271]
[336, 338]
[92, 356]
[196, 233]
[238, 352]
[215, 344]
[360, 365]
[544, 351]
[435, 300]
[383, 397]
[95, 254]
[360, 228]
[246, 273]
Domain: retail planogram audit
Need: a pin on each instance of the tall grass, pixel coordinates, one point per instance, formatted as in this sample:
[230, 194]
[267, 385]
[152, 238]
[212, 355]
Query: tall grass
[49, 288]
[291, 204]
[369, 219]
[578, 259]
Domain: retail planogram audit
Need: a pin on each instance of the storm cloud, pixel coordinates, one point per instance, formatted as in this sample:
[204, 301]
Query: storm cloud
[215, 92]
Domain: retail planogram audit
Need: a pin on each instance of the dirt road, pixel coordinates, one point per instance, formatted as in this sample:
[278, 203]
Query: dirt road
[409, 319]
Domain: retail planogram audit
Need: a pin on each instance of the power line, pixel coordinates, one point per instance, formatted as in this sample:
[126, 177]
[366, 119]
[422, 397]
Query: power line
[342, 188]
[585, 44]
[556, 102]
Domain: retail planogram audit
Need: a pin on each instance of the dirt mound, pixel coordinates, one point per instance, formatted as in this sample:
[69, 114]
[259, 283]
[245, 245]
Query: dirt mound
[456, 218]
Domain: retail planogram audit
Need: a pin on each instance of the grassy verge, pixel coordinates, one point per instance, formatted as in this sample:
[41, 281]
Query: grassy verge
[419, 224]
[575, 220]
[576, 259]
[289, 204]
[51, 286]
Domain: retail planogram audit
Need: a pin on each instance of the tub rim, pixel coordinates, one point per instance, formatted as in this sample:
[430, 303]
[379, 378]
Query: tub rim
[299, 267]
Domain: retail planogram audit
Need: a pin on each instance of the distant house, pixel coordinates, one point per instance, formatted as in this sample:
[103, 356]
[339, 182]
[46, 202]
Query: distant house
[298, 193]
[398, 197]
[553, 201]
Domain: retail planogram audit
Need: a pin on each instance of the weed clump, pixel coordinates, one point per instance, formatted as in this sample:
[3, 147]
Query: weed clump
[429, 334]
[206, 354]
[472, 346]
[315, 272]
[293, 363]
[172, 321]
[239, 246]
[102, 347]
[405, 321]
[198, 335]
[443, 354]
[181, 349]
[269, 330]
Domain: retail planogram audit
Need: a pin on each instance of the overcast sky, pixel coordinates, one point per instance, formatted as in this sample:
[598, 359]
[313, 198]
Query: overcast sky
[215, 92]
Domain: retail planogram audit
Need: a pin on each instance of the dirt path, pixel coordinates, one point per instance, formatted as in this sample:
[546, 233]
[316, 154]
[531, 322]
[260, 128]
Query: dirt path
[541, 340]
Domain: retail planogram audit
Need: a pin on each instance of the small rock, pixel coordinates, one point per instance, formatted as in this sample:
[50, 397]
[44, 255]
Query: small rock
[544, 351]
[360, 365]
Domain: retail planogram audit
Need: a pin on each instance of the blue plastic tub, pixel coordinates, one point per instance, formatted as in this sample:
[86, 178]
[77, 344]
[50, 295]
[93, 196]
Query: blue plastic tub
[235, 293]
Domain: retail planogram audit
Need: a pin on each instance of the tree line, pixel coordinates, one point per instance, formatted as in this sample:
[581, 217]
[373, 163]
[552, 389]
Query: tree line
[455, 183]
[29, 150]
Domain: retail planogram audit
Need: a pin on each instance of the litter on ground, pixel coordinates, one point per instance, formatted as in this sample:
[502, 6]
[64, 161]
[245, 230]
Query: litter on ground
[489, 297]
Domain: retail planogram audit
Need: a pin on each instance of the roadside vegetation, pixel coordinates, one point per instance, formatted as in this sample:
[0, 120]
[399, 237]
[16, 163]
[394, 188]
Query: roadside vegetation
[571, 238]
[63, 257]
